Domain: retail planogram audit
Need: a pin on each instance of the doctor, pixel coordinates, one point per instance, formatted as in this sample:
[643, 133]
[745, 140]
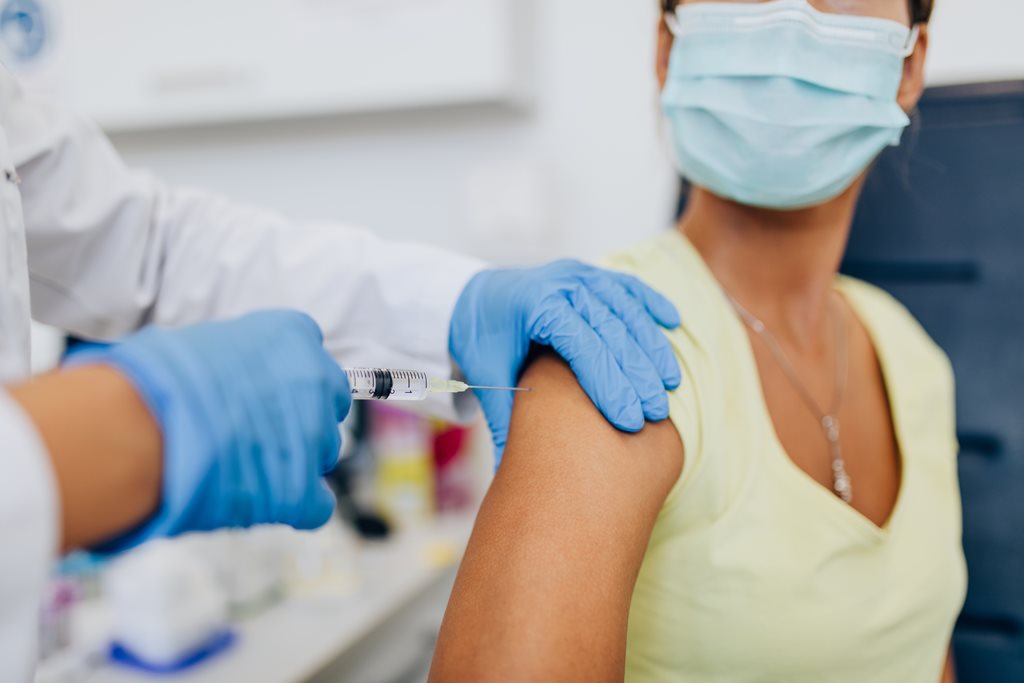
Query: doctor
[192, 424]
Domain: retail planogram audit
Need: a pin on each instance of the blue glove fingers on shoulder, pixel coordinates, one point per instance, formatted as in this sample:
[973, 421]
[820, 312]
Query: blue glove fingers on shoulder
[574, 339]
[641, 326]
[611, 340]
[635, 366]
[663, 310]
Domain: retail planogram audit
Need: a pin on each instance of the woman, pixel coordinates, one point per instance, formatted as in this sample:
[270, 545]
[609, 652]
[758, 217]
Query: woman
[799, 518]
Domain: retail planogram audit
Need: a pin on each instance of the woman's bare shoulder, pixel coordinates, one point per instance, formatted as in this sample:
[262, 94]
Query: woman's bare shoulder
[556, 421]
[545, 587]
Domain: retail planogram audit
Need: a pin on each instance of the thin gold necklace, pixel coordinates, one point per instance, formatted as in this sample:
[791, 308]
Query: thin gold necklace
[829, 419]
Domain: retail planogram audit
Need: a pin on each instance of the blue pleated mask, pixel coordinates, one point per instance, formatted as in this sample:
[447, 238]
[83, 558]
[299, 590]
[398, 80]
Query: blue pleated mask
[778, 105]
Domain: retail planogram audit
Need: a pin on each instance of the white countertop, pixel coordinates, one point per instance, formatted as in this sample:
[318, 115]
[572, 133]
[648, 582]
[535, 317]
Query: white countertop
[297, 638]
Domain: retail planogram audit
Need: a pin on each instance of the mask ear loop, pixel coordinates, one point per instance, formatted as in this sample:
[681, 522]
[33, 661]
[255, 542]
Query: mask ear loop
[673, 23]
[911, 45]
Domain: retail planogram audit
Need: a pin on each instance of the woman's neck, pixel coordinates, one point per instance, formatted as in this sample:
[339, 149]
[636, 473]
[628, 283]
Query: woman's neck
[779, 264]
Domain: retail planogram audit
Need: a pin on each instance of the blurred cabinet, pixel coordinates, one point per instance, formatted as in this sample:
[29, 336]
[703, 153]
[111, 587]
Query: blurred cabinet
[141, 64]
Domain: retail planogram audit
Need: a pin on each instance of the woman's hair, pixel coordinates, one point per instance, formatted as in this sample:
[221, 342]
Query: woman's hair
[920, 10]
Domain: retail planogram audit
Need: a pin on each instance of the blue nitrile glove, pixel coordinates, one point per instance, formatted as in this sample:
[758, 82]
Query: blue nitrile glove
[249, 412]
[605, 324]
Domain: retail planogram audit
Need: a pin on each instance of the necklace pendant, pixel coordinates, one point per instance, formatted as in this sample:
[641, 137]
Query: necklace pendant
[831, 426]
[829, 422]
[841, 481]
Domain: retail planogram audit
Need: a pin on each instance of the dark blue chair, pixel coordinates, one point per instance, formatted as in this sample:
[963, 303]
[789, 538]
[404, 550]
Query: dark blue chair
[941, 226]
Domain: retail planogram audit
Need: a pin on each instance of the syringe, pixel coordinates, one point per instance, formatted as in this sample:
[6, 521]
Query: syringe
[384, 384]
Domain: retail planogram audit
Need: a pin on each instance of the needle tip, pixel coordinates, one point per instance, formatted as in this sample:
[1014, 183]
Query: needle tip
[500, 388]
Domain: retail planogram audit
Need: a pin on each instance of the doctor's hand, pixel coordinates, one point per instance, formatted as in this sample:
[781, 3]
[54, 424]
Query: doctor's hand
[605, 324]
[249, 412]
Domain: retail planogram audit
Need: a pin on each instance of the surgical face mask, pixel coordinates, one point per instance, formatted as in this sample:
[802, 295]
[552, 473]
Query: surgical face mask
[778, 105]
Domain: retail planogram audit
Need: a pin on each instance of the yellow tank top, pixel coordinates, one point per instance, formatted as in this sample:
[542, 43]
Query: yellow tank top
[755, 572]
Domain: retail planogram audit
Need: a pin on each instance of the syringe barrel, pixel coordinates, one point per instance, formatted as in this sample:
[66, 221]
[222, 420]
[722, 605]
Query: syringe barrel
[385, 384]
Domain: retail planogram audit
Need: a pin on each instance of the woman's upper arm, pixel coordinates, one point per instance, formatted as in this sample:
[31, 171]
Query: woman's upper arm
[545, 587]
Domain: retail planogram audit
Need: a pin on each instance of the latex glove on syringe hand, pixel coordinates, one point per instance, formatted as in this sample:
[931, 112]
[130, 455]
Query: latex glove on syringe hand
[604, 324]
[249, 412]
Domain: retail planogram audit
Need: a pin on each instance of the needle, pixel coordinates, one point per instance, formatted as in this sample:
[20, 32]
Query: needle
[500, 388]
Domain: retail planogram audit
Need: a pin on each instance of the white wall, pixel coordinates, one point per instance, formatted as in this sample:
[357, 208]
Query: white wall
[579, 172]
[977, 40]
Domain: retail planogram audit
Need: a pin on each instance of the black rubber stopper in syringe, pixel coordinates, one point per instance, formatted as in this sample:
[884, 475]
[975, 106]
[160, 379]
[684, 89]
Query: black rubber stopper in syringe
[382, 384]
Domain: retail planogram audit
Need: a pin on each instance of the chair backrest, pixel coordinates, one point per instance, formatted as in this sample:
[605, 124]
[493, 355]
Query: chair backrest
[941, 226]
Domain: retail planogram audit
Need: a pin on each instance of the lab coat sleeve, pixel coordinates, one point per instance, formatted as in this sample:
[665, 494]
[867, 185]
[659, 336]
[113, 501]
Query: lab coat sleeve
[111, 249]
[29, 534]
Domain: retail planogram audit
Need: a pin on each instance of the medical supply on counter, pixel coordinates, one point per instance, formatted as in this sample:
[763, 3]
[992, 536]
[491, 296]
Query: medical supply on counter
[248, 564]
[384, 384]
[168, 611]
[793, 130]
[455, 480]
[323, 563]
[73, 632]
[55, 616]
[402, 445]
[85, 570]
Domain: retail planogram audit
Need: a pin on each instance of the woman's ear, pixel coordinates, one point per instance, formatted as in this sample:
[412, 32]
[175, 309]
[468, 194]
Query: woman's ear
[912, 86]
[664, 51]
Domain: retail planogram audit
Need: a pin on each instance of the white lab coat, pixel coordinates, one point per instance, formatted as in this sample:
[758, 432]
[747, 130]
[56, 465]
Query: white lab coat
[98, 249]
